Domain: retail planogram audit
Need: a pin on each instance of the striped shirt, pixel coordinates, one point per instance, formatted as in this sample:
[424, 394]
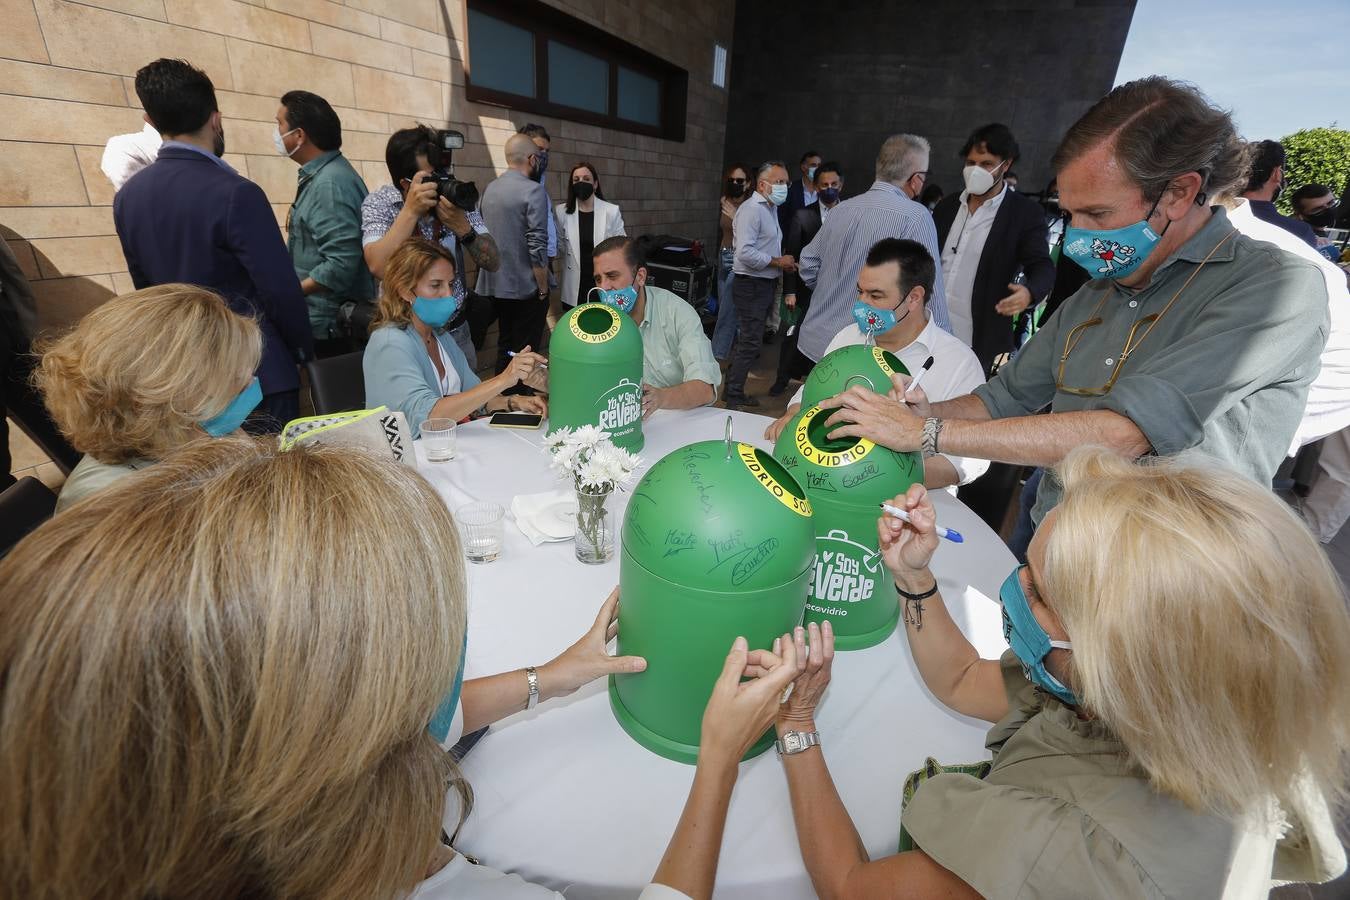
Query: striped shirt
[831, 262]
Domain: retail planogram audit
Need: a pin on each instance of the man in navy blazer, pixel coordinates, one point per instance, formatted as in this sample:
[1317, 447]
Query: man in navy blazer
[190, 217]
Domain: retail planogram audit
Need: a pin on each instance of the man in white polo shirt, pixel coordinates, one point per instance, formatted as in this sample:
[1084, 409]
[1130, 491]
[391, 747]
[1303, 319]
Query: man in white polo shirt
[894, 285]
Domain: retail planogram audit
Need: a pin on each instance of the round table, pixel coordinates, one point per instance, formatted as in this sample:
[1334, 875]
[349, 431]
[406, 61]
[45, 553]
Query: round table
[566, 799]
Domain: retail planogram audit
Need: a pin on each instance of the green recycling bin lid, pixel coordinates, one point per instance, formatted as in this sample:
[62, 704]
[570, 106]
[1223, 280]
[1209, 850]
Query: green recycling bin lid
[839, 370]
[848, 470]
[594, 332]
[720, 516]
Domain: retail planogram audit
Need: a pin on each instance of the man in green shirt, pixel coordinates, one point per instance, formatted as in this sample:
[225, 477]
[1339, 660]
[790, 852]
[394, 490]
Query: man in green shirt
[1190, 335]
[678, 368]
[324, 224]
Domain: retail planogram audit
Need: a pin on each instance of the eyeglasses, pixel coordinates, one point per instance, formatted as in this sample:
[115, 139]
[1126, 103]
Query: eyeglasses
[1076, 334]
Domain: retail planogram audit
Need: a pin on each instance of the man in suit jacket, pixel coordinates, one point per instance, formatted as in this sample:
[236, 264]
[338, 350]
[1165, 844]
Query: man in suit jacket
[516, 210]
[829, 183]
[802, 191]
[988, 235]
[190, 217]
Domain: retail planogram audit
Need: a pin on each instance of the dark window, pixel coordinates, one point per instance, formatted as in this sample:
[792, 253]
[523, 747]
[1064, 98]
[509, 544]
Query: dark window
[531, 57]
[578, 79]
[505, 54]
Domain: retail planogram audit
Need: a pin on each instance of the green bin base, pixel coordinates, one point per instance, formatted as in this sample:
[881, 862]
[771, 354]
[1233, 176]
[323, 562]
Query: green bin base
[858, 641]
[664, 746]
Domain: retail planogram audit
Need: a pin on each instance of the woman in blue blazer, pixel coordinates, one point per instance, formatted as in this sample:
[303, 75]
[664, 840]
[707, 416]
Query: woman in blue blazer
[412, 365]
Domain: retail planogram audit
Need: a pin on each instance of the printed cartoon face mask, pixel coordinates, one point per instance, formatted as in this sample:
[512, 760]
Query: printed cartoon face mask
[1115, 252]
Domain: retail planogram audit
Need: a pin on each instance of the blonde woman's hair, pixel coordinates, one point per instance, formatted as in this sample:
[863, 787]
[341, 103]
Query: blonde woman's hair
[405, 268]
[136, 375]
[219, 680]
[1209, 631]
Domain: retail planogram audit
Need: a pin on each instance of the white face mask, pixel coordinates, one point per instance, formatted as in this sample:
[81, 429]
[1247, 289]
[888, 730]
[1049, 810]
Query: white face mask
[280, 144]
[978, 180]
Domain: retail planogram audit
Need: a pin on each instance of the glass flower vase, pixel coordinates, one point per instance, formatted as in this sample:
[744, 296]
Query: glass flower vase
[595, 534]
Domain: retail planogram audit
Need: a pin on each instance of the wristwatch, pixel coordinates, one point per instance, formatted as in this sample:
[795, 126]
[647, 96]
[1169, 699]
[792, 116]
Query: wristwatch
[796, 741]
[532, 677]
[931, 429]
[469, 238]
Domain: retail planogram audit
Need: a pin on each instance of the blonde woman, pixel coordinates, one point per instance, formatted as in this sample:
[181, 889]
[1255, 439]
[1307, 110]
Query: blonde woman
[222, 681]
[144, 374]
[1170, 720]
[412, 364]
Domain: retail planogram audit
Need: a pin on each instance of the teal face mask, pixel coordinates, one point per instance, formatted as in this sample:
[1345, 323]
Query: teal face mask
[778, 194]
[623, 299]
[436, 311]
[872, 321]
[1113, 253]
[231, 417]
[1028, 639]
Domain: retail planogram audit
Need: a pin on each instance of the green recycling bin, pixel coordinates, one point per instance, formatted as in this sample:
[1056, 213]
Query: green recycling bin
[717, 542]
[846, 479]
[595, 374]
[839, 370]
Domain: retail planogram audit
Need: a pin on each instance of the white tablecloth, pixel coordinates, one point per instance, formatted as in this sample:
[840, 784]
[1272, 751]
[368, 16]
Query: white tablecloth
[565, 798]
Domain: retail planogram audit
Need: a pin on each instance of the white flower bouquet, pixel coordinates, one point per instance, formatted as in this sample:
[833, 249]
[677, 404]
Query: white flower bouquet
[588, 458]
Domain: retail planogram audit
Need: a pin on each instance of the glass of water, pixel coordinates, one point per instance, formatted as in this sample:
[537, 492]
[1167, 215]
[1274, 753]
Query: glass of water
[438, 439]
[480, 529]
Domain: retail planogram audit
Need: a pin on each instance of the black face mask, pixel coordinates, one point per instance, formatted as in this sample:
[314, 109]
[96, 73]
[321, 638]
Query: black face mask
[582, 190]
[735, 187]
[1323, 218]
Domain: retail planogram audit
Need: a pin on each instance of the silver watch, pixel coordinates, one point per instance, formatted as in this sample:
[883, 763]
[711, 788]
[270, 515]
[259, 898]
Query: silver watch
[532, 677]
[932, 427]
[796, 741]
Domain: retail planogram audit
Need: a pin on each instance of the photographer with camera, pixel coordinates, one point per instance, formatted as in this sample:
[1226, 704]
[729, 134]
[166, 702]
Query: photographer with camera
[425, 199]
[323, 225]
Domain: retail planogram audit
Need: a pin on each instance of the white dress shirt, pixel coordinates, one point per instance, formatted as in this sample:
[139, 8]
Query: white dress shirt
[1328, 408]
[961, 260]
[956, 371]
[126, 154]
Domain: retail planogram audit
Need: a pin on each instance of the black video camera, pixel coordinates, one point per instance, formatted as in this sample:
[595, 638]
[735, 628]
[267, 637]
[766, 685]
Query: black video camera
[440, 154]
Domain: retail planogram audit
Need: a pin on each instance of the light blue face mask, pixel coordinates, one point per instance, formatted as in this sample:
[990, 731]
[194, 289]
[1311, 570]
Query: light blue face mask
[623, 299]
[872, 321]
[1113, 253]
[1028, 639]
[436, 311]
[231, 417]
[810, 173]
[778, 194]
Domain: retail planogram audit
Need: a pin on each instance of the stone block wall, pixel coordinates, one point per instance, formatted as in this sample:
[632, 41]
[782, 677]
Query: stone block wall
[66, 86]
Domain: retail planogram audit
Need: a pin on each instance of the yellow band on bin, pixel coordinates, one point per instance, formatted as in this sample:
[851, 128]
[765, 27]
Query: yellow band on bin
[800, 505]
[831, 459]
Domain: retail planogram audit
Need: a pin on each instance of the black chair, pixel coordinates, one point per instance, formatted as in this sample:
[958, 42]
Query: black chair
[24, 505]
[336, 384]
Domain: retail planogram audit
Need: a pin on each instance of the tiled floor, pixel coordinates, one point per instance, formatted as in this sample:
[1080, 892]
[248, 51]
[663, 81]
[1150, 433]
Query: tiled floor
[28, 459]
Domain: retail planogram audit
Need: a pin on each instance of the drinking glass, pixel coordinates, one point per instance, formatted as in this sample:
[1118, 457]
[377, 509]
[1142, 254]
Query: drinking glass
[480, 528]
[438, 438]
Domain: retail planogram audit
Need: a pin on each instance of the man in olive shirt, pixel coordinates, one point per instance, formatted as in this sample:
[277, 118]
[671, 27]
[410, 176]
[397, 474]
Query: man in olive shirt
[324, 224]
[678, 368]
[1190, 335]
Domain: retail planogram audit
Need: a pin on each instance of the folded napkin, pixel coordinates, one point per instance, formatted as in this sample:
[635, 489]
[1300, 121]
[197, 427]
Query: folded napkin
[546, 517]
